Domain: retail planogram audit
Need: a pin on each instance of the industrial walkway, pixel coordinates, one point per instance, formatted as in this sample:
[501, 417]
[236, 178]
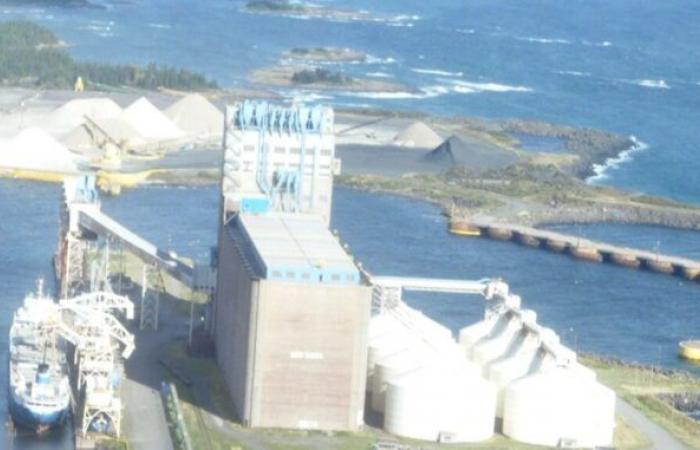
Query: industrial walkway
[659, 437]
[579, 248]
[94, 220]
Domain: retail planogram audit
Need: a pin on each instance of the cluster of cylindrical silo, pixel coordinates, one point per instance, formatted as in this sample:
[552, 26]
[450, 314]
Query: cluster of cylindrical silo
[506, 371]
[420, 381]
[544, 396]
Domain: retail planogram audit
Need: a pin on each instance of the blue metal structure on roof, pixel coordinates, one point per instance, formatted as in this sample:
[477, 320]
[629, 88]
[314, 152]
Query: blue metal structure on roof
[268, 119]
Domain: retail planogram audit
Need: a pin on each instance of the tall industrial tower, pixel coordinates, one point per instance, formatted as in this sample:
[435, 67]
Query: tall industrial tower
[291, 311]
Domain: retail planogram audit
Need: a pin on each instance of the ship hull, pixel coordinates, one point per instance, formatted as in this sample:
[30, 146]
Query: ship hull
[33, 419]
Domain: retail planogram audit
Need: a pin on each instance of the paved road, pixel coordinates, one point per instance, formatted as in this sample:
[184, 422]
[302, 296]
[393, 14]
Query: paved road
[660, 438]
[145, 426]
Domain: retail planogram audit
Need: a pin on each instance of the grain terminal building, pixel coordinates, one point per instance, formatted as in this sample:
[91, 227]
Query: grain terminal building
[291, 310]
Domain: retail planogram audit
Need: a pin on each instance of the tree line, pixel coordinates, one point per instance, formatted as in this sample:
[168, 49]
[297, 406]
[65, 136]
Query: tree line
[31, 55]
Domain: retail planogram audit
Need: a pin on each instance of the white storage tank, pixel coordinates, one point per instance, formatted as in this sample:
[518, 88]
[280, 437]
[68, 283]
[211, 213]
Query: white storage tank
[382, 324]
[423, 353]
[496, 344]
[559, 405]
[426, 327]
[439, 401]
[519, 363]
[469, 336]
[387, 368]
[383, 346]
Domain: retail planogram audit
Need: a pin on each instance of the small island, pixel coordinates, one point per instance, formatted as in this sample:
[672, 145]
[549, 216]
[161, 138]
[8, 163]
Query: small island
[290, 9]
[317, 78]
[325, 54]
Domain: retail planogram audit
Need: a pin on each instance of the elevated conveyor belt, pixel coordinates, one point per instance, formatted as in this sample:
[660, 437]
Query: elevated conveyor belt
[94, 220]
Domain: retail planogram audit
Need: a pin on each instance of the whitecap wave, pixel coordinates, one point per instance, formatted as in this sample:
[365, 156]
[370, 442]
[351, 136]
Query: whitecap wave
[101, 28]
[542, 40]
[443, 73]
[573, 73]
[600, 171]
[469, 87]
[465, 30]
[379, 75]
[305, 96]
[354, 105]
[654, 84]
[159, 26]
[424, 92]
[598, 44]
[371, 59]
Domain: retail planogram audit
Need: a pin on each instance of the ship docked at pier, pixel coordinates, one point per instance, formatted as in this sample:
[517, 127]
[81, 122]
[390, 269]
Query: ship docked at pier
[39, 388]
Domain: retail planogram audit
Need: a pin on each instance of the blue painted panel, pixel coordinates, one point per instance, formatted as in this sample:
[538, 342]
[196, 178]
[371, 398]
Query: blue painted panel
[255, 205]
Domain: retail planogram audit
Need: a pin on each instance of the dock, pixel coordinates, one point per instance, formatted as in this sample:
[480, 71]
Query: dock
[581, 248]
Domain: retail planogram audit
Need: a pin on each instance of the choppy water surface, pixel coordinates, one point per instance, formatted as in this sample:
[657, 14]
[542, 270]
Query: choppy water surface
[599, 308]
[625, 66]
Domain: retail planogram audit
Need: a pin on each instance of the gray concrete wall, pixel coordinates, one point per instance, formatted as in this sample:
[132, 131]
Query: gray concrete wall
[233, 318]
[310, 356]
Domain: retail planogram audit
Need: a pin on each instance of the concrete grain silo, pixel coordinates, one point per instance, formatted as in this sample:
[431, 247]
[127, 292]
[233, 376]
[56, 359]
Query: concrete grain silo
[558, 407]
[448, 402]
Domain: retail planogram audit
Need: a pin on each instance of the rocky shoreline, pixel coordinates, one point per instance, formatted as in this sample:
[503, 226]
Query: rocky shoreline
[686, 402]
[283, 77]
[324, 55]
[629, 215]
[590, 146]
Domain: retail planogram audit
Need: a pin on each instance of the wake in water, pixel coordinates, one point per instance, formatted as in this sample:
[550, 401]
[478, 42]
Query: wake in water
[601, 170]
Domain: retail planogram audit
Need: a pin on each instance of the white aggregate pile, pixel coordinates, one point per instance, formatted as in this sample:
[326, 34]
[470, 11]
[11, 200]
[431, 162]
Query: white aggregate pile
[418, 135]
[121, 131]
[72, 113]
[150, 122]
[79, 138]
[35, 149]
[83, 137]
[196, 116]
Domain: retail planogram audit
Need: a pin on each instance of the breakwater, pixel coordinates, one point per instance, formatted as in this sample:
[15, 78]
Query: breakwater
[579, 248]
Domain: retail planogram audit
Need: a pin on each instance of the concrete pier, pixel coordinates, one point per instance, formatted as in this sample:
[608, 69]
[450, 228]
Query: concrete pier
[556, 245]
[585, 249]
[625, 260]
[527, 240]
[660, 265]
[691, 273]
[501, 234]
[585, 252]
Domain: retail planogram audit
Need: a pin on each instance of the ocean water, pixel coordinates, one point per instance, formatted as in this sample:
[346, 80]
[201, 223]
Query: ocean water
[625, 66]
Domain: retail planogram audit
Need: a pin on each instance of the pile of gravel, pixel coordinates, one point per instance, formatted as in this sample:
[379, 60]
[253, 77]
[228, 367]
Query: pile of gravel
[417, 135]
[35, 149]
[150, 122]
[196, 116]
